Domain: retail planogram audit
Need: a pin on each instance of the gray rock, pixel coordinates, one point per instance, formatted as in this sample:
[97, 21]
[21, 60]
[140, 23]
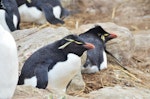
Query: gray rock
[77, 84]
[28, 92]
[119, 92]
[142, 48]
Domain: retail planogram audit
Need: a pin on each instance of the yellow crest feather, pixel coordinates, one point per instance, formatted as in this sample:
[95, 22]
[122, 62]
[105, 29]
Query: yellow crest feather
[29, 1]
[103, 37]
[67, 43]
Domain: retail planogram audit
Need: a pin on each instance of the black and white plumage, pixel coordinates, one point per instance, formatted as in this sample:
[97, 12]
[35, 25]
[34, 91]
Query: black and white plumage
[54, 65]
[96, 58]
[9, 15]
[8, 64]
[41, 11]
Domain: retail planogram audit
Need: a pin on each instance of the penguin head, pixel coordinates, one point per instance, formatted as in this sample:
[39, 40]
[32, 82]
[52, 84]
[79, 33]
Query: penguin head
[104, 36]
[74, 44]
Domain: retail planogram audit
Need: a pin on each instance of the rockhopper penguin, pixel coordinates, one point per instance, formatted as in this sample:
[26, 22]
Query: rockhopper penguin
[54, 65]
[9, 15]
[41, 11]
[8, 64]
[96, 58]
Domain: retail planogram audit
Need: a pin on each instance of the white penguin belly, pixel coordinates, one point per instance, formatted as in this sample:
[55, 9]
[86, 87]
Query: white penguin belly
[31, 81]
[63, 72]
[57, 11]
[3, 20]
[31, 14]
[8, 64]
[15, 20]
[103, 65]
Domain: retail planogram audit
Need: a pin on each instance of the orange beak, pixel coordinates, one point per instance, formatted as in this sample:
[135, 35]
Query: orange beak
[89, 46]
[112, 35]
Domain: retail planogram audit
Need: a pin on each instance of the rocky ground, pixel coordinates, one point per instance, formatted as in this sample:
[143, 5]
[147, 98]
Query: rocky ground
[130, 20]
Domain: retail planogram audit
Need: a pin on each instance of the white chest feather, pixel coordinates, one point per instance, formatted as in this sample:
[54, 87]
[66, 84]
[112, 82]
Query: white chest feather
[8, 64]
[104, 63]
[63, 72]
[3, 20]
[57, 11]
[31, 82]
[31, 14]
[15, 20]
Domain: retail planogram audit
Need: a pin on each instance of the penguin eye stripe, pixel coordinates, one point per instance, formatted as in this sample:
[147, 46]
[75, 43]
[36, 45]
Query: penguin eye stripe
[103, 37]
[29, 1]
[106, 34]
[78, 42]
[65, 45]
[71, 40]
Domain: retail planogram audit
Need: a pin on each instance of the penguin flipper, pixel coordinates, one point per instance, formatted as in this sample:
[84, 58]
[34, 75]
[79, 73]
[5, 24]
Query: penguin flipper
[9, 20]
[48, 11]
[41, 73]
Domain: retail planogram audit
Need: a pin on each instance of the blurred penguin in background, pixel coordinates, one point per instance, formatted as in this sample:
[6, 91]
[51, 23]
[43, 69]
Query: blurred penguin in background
[9, 15]
[41, 11]
[8, 64]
